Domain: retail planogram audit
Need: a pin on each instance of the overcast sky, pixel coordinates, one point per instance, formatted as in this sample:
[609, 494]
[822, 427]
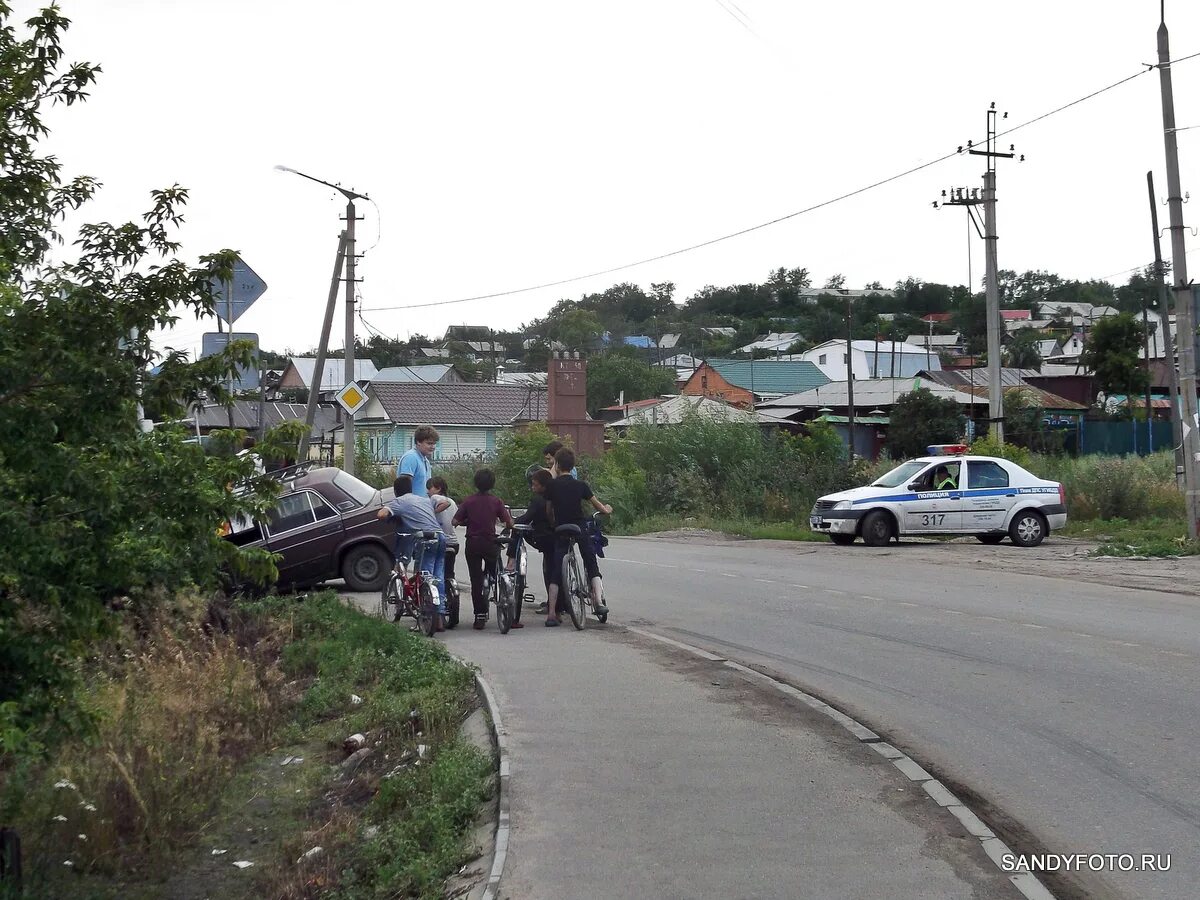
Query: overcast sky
[513, 144]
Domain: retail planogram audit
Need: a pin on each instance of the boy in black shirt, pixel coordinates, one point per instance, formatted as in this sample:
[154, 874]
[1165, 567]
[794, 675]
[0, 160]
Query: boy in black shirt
[537, 515]
[566, 496]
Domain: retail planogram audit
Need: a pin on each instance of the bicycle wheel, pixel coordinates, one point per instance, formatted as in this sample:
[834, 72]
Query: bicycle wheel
[571, 590]
[425, 610]
[504, 610]
[452, 601]
[388, 599]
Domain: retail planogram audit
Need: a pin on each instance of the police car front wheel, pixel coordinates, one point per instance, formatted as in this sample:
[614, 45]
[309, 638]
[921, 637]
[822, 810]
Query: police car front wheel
[877, 528]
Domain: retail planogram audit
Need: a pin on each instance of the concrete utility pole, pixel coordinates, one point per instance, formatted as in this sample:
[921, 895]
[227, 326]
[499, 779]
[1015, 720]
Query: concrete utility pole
[850, 371]
[348, 445]
[314, 393]
[1164, 310]
[1186, 312]
[969, 197]
[995, 386]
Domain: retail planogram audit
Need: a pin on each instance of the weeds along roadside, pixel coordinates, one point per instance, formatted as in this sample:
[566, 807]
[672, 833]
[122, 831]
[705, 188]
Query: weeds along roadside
[182, 714]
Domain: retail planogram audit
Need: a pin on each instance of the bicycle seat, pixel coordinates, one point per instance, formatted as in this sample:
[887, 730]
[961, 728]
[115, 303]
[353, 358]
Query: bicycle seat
[524, 529]
[567, 529]
[429, 535]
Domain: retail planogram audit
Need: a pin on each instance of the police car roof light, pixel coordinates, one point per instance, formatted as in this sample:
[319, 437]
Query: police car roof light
[946, 449]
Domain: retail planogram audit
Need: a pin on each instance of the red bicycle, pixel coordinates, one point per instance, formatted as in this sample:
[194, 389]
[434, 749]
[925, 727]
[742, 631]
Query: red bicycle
[413, 594]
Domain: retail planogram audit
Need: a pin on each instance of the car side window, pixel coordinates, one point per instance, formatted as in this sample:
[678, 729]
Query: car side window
[986, 475]
[291, 512]
[931, 478]
[321, 509]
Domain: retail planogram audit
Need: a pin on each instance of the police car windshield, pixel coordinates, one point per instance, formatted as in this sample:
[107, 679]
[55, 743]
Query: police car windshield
[900, 475]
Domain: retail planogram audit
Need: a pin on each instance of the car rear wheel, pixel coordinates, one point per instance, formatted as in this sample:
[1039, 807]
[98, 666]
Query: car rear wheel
[877, 528]
[842, 539]
[366, 567]
[1028, 528]
[990, 538]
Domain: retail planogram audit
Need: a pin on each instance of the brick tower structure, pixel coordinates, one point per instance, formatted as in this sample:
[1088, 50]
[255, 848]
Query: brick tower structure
[566, 404]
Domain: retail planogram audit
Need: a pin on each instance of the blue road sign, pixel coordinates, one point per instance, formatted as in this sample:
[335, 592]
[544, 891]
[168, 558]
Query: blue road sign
[214, 342]
[247, 287]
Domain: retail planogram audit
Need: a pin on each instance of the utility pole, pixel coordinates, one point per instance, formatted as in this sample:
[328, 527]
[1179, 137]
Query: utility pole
[314, 393]
[850, 371]
[1164, 311]
[1186, 313]
[970, 198]
[349, 447]
[347, 239]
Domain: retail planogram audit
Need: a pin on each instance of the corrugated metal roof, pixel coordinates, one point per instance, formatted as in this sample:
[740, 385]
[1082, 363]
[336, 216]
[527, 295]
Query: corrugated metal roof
[770, 376]
[980, 375]
[459, 403]
[673, 410]
[333, 376]
[397, 374]
[868, 394]
[245, 415]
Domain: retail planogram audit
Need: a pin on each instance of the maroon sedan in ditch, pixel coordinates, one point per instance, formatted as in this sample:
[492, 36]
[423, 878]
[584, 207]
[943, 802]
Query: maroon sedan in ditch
[324, 525]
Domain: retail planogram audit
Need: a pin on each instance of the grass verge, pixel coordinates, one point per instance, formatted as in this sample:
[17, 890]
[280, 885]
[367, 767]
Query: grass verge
[212, 750]
[1143, 537]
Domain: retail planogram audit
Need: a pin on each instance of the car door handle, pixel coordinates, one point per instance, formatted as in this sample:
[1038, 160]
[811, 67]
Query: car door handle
[1010, 495]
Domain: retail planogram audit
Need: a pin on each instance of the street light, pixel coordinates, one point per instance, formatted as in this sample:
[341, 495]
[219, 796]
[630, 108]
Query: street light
[346, 252]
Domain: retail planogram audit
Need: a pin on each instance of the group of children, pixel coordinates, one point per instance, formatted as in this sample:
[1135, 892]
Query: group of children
[558, 498]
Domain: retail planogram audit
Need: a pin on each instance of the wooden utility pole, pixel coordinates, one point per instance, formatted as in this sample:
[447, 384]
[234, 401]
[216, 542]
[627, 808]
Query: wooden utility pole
[1164, 311]
[1186, 314]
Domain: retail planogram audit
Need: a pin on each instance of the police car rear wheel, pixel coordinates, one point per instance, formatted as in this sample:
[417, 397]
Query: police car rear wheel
[877, 529]
[1028, 529]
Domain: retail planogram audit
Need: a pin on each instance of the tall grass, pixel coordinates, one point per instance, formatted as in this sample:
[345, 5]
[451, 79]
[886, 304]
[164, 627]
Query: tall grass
[1115, 487]
[708, 468]
[180, 711]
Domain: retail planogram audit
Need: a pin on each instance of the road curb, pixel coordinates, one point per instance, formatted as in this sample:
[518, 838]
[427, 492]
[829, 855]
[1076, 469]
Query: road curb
[500, 736]
[994, 848]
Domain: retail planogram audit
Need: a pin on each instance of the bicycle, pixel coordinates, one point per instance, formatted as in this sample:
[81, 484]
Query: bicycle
[500, 587]
[413, 594]
[520, 573]
[574, 587]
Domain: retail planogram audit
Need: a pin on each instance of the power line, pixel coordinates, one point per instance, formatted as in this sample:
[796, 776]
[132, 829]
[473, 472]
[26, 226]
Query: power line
[762, 225]
[489, 418]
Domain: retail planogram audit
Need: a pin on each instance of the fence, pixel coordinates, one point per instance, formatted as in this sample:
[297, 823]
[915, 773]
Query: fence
[1125, 438]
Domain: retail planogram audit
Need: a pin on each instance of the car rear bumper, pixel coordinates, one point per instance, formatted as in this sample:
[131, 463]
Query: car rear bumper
[1057, 521]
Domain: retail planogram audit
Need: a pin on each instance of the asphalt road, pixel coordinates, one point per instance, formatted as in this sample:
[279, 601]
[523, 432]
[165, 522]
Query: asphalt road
[1065, 708]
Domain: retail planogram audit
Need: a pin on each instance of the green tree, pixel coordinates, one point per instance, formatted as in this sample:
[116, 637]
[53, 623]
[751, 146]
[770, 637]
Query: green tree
[1021, 352]
[573, 327]
[1112, 353]
[98, 516]
[970, 319]
[920, 418]
[613, 373]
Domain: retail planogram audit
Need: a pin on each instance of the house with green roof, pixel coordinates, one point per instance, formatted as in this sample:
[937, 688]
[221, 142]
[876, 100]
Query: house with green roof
[745, 382]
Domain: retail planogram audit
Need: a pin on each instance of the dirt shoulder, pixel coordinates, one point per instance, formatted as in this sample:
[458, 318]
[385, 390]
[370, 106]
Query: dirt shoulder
[1062, 558]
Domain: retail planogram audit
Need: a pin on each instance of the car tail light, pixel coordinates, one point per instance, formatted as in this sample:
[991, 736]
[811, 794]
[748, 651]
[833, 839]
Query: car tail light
[1062, 497]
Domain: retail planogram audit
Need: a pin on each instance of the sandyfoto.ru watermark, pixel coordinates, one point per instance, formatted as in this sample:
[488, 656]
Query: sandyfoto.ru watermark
[1085, 862]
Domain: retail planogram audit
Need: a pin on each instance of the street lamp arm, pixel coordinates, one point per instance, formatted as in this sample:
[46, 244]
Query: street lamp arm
[346, 192]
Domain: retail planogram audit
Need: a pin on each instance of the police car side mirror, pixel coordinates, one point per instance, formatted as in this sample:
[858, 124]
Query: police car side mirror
[913, 486]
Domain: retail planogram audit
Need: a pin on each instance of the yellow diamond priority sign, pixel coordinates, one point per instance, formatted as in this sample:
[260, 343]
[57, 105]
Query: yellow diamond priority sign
[352, 398]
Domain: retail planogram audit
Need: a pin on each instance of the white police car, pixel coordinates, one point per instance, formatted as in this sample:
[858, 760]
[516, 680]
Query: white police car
[947, 492]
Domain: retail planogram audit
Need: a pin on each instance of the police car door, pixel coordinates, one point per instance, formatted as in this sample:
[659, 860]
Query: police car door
[932, 509]
[988, 496]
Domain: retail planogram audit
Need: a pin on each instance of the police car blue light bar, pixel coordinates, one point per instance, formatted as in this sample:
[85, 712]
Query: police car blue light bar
[946, 449]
